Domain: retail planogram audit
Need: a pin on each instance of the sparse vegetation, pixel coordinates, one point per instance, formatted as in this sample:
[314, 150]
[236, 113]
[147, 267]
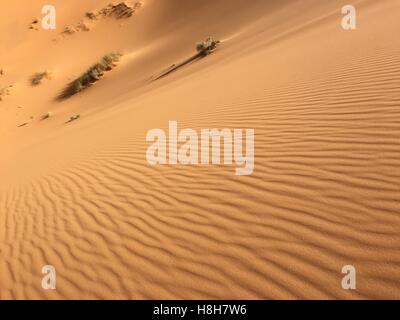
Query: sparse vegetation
[91, 15]
[5, 92]
[121, 10]
[73, 118]
[95, 72]
[46, 116]
[206, 47]
[34, 25]
[92, 75]
[37, 78]
[69, 30]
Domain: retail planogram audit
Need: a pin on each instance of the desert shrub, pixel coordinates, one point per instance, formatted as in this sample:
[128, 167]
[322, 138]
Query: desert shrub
[5, 92]
[91, 15]
[207, 46]
[122, 10]
[37, 78]
[75, 117]
[95, 72]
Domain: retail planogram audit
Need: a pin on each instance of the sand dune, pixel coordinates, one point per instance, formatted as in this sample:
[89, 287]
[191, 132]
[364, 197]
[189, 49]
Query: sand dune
[325, 192]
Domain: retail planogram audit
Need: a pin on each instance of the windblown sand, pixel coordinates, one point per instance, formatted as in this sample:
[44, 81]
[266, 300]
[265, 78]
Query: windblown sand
[325, 192]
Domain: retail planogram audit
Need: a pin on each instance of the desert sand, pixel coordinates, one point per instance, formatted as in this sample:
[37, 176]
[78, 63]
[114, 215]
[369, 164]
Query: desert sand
[325, 107]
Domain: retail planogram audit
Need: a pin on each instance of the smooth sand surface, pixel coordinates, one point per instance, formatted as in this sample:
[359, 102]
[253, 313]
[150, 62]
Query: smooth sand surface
[325, 106]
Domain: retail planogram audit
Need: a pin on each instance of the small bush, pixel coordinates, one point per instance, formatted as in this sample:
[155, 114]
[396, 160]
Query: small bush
[92, 75]
[95, 72]
[75, 117]
[37, 78]
[207, 46]
[91, 15]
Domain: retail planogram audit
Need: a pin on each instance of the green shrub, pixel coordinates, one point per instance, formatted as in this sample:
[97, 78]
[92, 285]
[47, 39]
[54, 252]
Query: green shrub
[95, 72]
[92, 75]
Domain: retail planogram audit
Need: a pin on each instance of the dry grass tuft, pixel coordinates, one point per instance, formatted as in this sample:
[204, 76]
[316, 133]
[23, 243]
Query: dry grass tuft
[37, 78]
[92, 75]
